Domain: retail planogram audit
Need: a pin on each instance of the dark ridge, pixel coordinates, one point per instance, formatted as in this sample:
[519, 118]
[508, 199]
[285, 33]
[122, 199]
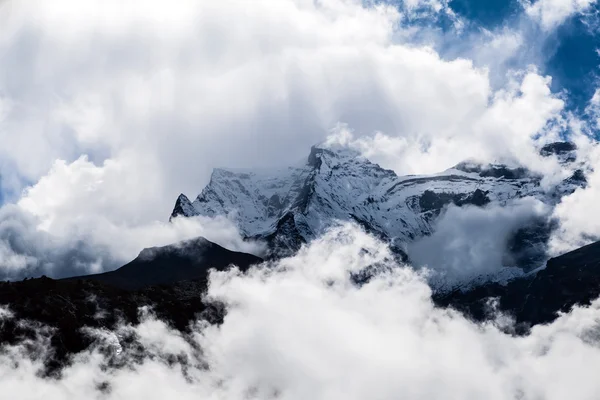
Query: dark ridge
[314, 158]
[188, 260]
[68, 305]
[504, 172]
[285, 239]
[568, 280]
[578, 178]
[411, 181]
[303, 198]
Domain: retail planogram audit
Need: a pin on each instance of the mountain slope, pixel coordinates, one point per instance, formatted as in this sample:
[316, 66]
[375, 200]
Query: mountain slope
[188, 260]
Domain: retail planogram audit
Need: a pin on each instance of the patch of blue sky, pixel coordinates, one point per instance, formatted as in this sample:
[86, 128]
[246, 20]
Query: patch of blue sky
[569, 54]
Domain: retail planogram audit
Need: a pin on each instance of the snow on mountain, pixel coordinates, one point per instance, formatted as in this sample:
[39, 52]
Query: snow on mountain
[291, 206]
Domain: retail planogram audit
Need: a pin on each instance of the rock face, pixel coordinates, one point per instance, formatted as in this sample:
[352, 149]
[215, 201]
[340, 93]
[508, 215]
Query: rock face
[291, 206]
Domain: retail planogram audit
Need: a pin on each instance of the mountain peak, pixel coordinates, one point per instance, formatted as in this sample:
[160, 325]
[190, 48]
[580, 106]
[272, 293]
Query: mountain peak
[331, 150]
[183, 207]
[290, 206]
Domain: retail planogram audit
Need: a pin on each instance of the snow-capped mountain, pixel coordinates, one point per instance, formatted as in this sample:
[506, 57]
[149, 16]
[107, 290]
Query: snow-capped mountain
[290, 206]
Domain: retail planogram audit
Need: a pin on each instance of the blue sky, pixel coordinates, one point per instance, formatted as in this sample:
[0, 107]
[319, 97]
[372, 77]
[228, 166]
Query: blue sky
[571, 51]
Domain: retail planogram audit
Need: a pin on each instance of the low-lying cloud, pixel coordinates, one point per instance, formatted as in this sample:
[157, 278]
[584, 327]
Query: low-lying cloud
[470, 241]
[302, 329]
[28, 248]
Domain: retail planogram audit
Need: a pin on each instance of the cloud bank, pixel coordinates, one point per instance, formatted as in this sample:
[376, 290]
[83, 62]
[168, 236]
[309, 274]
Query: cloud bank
[470, 241]
[302, 329]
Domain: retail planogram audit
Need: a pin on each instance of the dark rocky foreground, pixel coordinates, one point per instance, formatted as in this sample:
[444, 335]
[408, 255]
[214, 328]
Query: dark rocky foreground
[172, 280]
[67, 306]
[169, 279]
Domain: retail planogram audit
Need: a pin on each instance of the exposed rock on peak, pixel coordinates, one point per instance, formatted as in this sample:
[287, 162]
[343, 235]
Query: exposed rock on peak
[565, 151]
[183, 206]
[493, 170]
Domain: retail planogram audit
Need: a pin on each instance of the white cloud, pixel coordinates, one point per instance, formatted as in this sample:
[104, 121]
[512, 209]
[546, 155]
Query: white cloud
[517, 121]
[551, 13]
[472, 241]
[578, 213]
[302, 330]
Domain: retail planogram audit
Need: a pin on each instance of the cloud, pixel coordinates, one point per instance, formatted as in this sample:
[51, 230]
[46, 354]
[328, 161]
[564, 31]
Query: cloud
[469, 241]
[96, 244]
[67, 224]
[578, 213]
[109, 111]
[551, 13]
[301, 329]
[509, 128]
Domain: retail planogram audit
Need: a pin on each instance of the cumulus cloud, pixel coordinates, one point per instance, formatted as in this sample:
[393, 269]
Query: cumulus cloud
[302, 329]
[508, 127]
[140, 105]
[578, 213]
[551, 13]
[96, 244]
[110, 109]
[65, 224]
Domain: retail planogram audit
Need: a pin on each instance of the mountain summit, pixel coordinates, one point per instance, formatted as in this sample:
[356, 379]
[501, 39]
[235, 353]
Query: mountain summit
[290, 206]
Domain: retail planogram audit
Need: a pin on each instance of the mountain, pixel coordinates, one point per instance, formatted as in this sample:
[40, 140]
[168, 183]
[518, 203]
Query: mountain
[187, 260]
[291, 206]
